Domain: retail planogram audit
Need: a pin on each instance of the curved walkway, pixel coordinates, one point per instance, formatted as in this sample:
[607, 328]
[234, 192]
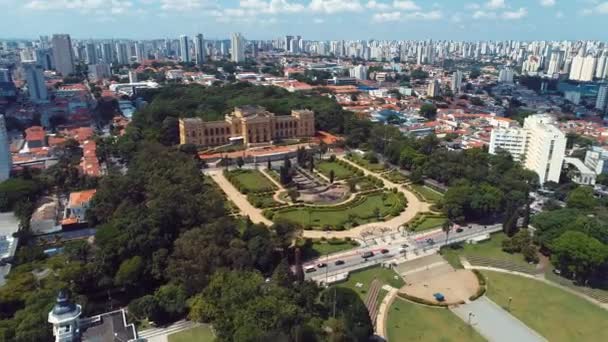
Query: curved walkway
[382, 317]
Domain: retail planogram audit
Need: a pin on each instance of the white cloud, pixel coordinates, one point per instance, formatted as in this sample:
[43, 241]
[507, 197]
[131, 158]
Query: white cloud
[431, 15]
[373, 4]
[456, 18]
[515, 15]
[559, 14]
[406, 5]
[272, 6]
[318, 21]
[335, 6]
[547, 3]
[181, 5]
[386, 17]
[481, 14]
[602, 8]
[103, 6]
[496, 4]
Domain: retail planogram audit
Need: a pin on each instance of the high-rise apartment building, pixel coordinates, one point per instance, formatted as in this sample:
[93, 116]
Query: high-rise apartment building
[107, 53]
[555, 62]
[184, 48]
[359, 72]
[140, 52]
[122, 55]
[456, 82]
[5, 152]
[601, 103]
[199, 47]
[539, 145]
[36, 87]
[91, 51]
[237, 48]
[63, 54]
[602, 66]
[505, 75]
[433, 89]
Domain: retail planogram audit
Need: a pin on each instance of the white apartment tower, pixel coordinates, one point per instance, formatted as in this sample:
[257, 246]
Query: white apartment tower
[237, 48]
[602, 66]
[456, 82]
[63, 54]
[5, 152]
[140, 53]
[121, 53]
[34, 75]
[539, 145]
[602, 98]
[433, 89]
[555, 62]
[199, 47]
[505, 75]
[359, 72]
[184, 48]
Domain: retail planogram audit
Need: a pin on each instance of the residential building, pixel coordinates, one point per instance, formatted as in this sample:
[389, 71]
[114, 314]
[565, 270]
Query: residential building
[76, 209]
[555, 62]
[184, 48]
[601, 103]
[531, 65]
[99, 71]
[63, 54]
[505, 75]
[5, 75]
[107, 53]
[583, 175]
[91, 51]
[248, 125]
[5, 152]
[199, 47]
[122, 56]
[456, 82]
[433, 89]
[140, 52]
[583, 68]
[359, 72]
[596, 159]
[238, 48]
[36, 87]
[602, 66]
[539, 145]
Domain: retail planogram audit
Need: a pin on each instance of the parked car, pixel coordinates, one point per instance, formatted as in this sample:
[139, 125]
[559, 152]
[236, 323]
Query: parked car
[339, 262]
[321, 265]
[459, 230]
[367, 255]
[309, 269]
[430, 241]
[384, 251]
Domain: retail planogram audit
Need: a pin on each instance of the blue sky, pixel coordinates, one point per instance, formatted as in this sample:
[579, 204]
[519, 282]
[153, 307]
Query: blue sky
[313, 19]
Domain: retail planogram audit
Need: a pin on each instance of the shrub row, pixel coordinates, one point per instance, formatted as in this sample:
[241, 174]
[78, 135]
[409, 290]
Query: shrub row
[263, 200]
[427, 302]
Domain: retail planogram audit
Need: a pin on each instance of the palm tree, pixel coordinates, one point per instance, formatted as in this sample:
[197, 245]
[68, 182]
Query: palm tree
[446, 227]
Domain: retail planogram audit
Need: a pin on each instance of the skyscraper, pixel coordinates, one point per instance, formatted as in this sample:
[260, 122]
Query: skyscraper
[199, 47]
[63, 54]
[140, 52]
[184, 48]
[456, 82]
[505, 75]
[588, 71]
[602, 66]
[555, 62]
[121, 53]
[602, 98]
[238, 48]
[5, 152]
[107, 53]
[36, 87]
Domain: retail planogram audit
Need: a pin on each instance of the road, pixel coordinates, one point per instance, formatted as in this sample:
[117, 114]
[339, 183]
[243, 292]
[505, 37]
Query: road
[395, 246]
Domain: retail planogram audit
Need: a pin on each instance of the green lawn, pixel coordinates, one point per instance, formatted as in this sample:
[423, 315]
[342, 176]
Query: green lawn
[493, 249]
[429, 223]
[365, 277]
[374, 167]
[198, 334]
[250, 181]
[412, 322]
[552, 312]
[340, 171]
[362, 211]
[324, 248]
[428, 193]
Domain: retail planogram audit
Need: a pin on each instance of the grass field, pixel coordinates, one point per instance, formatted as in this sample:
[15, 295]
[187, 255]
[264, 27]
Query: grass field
[365, 277]
[488, 249]
[324, 248]
[552, 312]
[374, 167]
[429, 194]
[412, 322]
[340, 171]
[362, 211]
[197, 334]
[250, 181]
[429, 223]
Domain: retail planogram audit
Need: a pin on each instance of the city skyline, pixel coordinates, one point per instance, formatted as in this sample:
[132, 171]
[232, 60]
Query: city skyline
[313, 19]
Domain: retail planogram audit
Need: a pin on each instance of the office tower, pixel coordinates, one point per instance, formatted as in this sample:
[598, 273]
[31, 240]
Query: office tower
[539, 145]
[63, 54]
[99, 71]
[5, 75]
[602, 98]
[34, 75]
[140, 53]
[107, 53]
[184, 48]
[359, 72]
[44, 58]
[287, 42]
[555, 62]
[5, 152]
[91, 50]
[199, 47]
[433, 89]
[238, 48]
[122, 55]
[456, 82]
[505, 75]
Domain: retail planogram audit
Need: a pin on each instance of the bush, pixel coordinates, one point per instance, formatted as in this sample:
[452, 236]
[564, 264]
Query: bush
[480, 292]
[480, 278]
[530, 254]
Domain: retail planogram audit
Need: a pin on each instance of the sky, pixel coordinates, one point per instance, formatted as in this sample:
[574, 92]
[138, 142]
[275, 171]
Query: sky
[312, 19]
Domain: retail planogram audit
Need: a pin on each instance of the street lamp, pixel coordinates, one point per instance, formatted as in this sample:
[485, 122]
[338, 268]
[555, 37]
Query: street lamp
[471, 315]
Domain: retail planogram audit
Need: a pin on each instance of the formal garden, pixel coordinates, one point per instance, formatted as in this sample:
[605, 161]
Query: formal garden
[250, 181]
[341, 170]
[373, 206]
[368, 161]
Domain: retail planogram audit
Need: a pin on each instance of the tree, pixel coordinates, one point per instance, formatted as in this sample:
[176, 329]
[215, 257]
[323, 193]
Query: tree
[171, 300]
[474, 74]
[428, 111]
[240, 162]
[332, 174]
[129, 271]
[581, 198]
[578, 255]
[322, 149]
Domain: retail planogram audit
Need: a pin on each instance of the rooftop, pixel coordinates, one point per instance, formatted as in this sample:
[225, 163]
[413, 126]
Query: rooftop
[79, 198]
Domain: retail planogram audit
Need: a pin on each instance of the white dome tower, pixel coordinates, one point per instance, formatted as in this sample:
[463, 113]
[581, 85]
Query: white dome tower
[65, 317]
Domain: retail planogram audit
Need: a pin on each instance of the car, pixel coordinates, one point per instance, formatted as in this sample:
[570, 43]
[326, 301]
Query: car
[339, 262]
[310, 269]
[430, 241]
[367, 255]
[384, 251]
[402, 250]
[321, 265]
[459, 230]
[405, 245]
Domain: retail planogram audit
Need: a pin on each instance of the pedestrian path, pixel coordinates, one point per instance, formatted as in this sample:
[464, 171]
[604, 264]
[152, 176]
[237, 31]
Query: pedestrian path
[160, 334]
[494, 323]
